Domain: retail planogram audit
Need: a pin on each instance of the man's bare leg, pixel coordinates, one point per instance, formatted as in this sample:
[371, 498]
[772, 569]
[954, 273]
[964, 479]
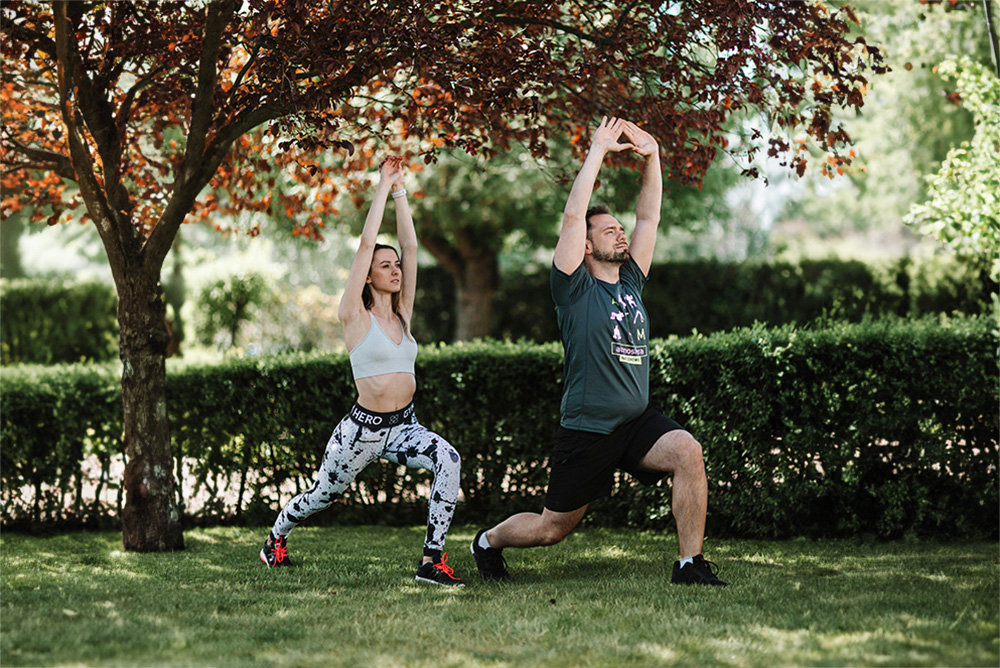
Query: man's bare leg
[533, 529]
[679, 453]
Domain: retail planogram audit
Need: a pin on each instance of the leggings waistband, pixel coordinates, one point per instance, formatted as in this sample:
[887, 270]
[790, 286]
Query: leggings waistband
[373, 420]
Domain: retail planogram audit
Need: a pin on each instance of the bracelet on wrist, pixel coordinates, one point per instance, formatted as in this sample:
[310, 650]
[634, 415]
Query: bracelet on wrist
[399, 193]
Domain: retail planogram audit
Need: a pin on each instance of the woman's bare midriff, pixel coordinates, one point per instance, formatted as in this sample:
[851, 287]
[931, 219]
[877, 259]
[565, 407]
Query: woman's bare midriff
[387, 392]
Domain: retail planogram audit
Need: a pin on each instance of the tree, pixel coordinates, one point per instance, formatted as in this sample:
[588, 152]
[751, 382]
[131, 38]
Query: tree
[964, 206]
[468, 211]
[145, 105]
[912, 116]
[10, 255]
[465, 216]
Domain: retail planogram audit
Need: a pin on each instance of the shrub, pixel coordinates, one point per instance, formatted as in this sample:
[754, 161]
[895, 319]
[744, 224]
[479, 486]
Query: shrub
[225, 305]
[710, 296]
[883, 428]
[54, 418]
[50, 322]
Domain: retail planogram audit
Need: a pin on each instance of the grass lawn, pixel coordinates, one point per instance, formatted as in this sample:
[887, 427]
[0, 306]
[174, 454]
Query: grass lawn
[601, 598]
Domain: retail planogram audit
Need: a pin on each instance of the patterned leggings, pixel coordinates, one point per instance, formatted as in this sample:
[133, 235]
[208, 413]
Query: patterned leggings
[359, 439]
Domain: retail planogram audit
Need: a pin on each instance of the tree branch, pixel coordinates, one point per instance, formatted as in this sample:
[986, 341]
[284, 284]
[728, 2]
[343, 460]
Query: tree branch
[203, 107]
[19, 32]
[243, 71]
[555, 25]
[90, 187]
[93, 103]
[991, 29]
[621, 20]
[125, 109]
[192, 172]
[57, 162]
[186, 191]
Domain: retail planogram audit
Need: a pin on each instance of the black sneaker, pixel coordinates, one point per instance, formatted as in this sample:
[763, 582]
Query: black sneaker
[698, 571]
[275, 554]
[439, 573]
[490, 561]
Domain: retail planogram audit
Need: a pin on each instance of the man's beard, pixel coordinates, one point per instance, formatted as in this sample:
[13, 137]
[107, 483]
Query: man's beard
[614, 257]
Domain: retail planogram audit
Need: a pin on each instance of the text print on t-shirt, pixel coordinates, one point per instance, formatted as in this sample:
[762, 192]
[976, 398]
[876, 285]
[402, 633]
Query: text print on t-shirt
[629, 330]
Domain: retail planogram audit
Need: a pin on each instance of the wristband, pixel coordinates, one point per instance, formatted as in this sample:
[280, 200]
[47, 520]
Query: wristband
[399, 193]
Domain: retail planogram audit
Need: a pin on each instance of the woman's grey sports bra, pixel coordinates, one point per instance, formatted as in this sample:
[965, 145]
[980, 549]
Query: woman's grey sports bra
[377, 354]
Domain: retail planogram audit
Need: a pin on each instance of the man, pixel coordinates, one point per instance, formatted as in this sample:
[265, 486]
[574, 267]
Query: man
[607, 422]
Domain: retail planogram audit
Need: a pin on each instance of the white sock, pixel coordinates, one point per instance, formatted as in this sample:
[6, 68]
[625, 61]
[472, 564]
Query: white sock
[686, 560]
[484, 542]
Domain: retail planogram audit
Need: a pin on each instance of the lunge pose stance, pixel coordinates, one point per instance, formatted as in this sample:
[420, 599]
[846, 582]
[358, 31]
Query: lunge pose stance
[607, 421]
[375, 311]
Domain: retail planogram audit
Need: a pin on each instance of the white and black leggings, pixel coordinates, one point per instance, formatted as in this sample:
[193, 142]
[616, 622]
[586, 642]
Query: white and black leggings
[359, 439]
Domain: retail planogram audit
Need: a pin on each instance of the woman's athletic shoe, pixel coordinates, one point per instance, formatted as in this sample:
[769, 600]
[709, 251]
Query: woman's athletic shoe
[698, 571]
[275, 554]
[490, 561]
[439, 573]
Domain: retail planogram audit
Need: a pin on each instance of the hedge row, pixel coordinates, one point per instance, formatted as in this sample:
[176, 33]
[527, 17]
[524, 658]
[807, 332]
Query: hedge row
[50, 322]
[885, 428]
[710, 296]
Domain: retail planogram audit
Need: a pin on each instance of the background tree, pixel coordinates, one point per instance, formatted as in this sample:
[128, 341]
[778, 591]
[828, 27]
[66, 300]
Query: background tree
[466, 215]
[911, 119]
[226, 305]
[468, 211]
[964, 208]
[10, 236]
[144, 105]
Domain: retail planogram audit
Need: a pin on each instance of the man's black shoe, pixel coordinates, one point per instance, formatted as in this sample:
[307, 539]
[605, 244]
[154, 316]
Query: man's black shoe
[490, 561]
[698, 571]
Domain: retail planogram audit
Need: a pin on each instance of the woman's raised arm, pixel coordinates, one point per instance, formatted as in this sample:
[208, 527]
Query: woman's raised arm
[351, 305]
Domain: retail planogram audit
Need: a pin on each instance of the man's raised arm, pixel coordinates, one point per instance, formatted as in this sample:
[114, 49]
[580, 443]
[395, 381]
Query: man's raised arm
[647, 210]
[573, 235]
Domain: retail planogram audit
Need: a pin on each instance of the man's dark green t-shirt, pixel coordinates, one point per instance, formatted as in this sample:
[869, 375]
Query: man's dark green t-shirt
[605, 339]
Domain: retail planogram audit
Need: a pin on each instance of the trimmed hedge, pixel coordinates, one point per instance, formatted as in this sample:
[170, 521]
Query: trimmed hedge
[885, 428]
[711, 296]
[49, 321]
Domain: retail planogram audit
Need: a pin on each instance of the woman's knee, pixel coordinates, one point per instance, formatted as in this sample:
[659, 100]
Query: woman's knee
[447, 456]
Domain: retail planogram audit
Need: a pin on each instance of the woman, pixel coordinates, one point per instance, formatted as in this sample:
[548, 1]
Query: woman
[375, 312]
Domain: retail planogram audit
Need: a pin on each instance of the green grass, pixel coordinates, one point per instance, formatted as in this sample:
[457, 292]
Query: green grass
[601, 598]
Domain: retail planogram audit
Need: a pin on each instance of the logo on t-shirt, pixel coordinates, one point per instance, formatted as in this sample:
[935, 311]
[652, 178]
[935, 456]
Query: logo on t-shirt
[625, 344]
[628, 354]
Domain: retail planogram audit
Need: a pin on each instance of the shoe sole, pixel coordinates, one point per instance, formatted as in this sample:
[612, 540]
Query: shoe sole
[440, 584]
[472, 545]
[270, 565]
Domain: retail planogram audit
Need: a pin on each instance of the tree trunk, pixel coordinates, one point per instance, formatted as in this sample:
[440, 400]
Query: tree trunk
[175, 291]
[150, 521]
[10, 249]
[476, 286]
[476, 272]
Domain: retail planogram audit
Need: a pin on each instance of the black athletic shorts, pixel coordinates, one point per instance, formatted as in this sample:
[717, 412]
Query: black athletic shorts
[584, 462]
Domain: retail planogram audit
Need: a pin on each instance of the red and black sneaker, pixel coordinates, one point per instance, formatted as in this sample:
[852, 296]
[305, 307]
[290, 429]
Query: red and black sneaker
[275, 553]
[439, 573]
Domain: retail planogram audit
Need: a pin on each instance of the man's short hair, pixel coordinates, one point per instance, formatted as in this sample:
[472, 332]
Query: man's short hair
[596, 210]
